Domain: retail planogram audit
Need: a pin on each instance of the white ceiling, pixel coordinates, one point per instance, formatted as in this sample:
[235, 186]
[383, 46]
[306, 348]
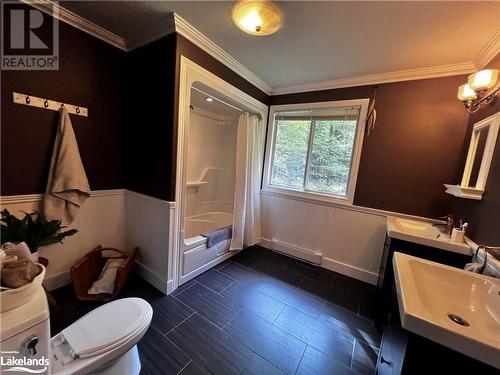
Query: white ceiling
[322, 41]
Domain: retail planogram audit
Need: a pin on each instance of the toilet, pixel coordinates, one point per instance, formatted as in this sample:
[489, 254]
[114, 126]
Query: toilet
[101, 342]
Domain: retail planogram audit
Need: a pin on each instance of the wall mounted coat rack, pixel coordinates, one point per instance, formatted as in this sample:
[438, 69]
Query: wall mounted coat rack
[35, 101]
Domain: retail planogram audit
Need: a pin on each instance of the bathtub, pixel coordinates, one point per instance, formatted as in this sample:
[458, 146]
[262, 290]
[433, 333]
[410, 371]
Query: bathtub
[196, 256]
[195, 225]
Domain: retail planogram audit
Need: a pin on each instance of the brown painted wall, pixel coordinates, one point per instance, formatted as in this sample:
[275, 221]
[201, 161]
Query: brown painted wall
[483, 216]
[150, 137]
[90, 75]
[416, 145]
[152, 108]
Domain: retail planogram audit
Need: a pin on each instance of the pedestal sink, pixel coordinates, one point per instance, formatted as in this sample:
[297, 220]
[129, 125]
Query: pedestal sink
[424, 233]
[455, 308]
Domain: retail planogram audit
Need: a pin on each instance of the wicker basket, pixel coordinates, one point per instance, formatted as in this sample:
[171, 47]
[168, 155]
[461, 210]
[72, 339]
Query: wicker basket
[88, 269]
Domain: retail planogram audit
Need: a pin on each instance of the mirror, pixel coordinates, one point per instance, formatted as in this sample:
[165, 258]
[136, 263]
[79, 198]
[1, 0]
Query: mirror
[479, 156]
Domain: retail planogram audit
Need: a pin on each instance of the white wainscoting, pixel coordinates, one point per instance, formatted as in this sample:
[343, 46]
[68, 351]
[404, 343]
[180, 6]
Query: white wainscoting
[149, 225]
[350, 241]
[111, 218]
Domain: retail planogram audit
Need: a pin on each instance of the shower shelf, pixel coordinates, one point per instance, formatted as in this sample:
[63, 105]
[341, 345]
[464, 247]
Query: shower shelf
[196, 183]
[201, 180]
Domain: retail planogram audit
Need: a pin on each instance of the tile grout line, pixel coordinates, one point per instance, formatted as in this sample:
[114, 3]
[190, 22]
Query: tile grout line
[277, 316]
[230, 320]
[182, 351]
[301, 358]
[166, 333]
[284, 265]
[333, 281]
[232, 282]
[182, 291]
[189, 307]
[186, 365]
[352, 353]
[358, 310]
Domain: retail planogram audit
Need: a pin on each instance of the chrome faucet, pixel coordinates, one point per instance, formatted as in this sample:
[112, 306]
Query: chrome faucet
[450, 224]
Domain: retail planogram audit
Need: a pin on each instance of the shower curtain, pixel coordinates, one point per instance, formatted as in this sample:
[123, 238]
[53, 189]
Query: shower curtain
[246, 213]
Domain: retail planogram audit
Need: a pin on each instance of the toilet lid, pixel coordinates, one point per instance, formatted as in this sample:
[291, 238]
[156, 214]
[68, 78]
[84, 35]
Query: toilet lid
[107, 325]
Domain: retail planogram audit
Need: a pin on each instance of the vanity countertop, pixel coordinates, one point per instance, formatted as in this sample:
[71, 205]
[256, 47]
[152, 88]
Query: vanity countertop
[424, 233]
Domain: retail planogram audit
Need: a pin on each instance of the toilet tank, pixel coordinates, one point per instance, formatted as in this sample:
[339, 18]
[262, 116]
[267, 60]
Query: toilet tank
[25, 335]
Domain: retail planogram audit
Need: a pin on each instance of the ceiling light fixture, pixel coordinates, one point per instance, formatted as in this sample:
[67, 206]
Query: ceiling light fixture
[209, 99]
[257, 17]
[480, 89]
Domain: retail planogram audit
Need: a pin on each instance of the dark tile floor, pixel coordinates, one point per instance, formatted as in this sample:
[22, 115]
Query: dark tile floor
[258, 313]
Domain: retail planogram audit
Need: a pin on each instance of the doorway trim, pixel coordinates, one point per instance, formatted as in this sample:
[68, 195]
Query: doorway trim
[190, 73]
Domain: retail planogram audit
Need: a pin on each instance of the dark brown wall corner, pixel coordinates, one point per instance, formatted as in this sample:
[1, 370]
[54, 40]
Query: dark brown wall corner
[150, 134]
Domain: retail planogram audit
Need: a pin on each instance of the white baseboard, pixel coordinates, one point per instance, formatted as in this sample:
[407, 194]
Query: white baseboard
[297, 252]
[155, 280]
[348, 270]
[265, 242]
[170, 286]
[328, 263]
[64, 278]
[57, 281]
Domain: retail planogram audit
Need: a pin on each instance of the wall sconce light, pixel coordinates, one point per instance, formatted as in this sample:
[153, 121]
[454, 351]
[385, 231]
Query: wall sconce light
[479, 90]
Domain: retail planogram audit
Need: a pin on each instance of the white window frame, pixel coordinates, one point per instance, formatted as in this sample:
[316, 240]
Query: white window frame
[356, 154]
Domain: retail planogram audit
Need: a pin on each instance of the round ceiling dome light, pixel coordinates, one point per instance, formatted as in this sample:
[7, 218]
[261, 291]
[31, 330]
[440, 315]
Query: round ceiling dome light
[257, 17]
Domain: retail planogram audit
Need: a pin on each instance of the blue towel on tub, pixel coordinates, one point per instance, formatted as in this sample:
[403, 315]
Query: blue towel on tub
[218, 235]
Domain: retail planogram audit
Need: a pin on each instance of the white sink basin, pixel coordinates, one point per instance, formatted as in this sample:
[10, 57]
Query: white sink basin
[424, 233]
[428, 292]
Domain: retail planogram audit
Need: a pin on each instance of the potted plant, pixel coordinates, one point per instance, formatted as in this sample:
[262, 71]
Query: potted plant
[33, 229]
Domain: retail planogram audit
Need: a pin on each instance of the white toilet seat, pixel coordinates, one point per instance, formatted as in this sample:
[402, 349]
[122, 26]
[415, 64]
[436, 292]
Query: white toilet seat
[100, 337]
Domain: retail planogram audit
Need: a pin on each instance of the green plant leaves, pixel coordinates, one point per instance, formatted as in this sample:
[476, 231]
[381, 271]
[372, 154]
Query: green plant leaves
[33, 228]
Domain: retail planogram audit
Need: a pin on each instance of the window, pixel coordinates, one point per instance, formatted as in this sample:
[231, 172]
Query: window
[313, 149]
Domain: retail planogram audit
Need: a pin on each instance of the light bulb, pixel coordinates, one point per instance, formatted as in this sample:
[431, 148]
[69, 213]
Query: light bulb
[465, 93]
[252, 22]
[483, 80]
[257, 17]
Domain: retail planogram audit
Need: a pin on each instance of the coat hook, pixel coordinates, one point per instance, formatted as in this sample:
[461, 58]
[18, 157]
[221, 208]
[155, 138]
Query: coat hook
[46, 103]
[28, 100]
[77, 110]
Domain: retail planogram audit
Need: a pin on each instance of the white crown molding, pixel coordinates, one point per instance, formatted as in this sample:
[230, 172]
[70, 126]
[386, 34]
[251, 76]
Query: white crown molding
[488, 52]
[181, 26]
[153, 33]
[73, 19]
[397, 76]
[192, 34]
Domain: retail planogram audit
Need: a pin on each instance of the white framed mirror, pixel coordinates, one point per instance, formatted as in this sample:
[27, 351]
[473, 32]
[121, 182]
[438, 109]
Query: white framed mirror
[477, 166]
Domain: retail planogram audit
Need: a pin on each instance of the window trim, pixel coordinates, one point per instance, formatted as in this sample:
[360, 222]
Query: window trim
[356, 154]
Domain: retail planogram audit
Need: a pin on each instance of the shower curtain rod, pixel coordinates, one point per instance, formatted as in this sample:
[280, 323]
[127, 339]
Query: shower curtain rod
[210, 117]
[219, 100]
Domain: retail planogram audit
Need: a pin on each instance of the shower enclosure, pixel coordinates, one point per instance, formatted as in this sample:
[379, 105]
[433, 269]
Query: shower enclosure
[210, 173]
[211, 114]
